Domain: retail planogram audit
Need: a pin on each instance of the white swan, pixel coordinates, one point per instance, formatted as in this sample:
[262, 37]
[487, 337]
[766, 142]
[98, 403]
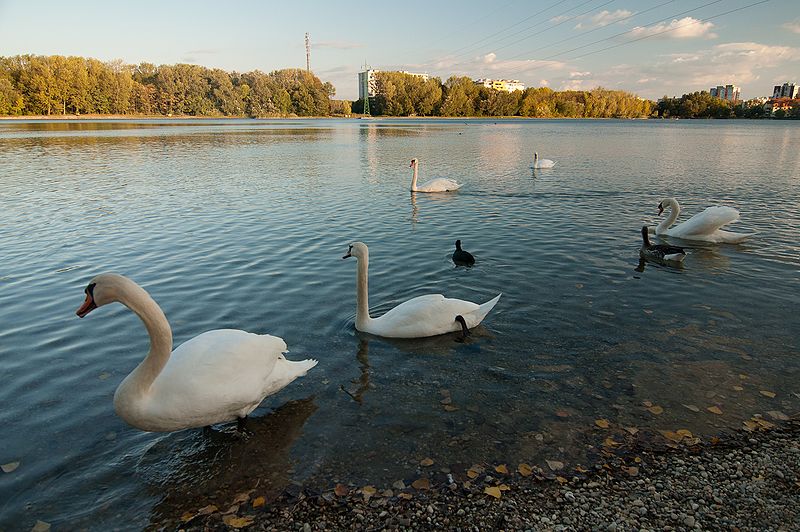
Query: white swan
[542, 163]
[422, 316]
[703, 226]
[218, 376]
[440, 184]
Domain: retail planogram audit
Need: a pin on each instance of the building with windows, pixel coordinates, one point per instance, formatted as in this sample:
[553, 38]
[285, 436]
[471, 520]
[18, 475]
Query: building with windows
[732, 93]
[787, 90]
[507, 85]
[367, 85]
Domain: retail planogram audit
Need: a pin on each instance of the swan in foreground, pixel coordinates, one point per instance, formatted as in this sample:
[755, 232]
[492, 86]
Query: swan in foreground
[422, 316]
[542, 163]
[702, 226]
[440, 184]
[461, 257]
[660, 251]
[216, 377]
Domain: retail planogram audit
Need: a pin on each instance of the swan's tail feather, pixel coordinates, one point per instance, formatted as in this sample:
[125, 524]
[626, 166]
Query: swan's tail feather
[476, 316]
[300, 368]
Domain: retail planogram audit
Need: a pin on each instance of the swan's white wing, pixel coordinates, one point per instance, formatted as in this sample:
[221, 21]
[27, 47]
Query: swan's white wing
[422, 316]
[214, 377]
[439, 184]
[704, 223]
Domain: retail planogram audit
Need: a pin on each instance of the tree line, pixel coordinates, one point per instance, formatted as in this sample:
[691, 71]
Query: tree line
[399, 94]
[703, 105]
[57, 85]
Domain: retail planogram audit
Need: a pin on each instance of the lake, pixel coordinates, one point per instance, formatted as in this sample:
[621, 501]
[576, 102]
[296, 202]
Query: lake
[243, 223]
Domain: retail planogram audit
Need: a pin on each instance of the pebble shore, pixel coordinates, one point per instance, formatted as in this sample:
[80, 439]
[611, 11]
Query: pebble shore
[746, 481]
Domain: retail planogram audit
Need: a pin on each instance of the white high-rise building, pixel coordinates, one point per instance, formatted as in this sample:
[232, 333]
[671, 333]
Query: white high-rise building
[787, 90]
[732, 93]
[366, 81]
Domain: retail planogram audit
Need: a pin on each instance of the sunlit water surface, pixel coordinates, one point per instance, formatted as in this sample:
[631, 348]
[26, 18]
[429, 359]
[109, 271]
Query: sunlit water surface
[243, 224]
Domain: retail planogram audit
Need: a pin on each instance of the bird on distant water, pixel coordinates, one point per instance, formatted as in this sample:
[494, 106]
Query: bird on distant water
[542, 163]
[461, 257]
[660, 251]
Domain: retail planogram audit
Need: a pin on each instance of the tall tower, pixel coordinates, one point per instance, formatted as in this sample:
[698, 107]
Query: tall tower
[308, 54]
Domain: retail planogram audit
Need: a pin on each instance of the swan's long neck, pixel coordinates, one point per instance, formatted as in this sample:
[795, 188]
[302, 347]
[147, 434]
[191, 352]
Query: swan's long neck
[414, 179]
[362, 292]
[674, 211]
[138, 382]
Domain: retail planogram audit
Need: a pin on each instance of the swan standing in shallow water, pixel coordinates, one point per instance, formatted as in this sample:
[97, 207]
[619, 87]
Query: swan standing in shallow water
[541, 163]
[440, 184]
[216, 377]
[703, 226]
[422, 316]
[660, 251]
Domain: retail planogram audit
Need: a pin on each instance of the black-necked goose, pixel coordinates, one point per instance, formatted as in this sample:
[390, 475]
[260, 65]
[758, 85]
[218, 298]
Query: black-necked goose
[660, 251]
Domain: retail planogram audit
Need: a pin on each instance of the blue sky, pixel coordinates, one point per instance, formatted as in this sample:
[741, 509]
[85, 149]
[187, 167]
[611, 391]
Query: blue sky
[649, 47]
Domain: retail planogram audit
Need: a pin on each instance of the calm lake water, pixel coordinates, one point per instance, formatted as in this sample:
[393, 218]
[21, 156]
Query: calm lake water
[243, 224]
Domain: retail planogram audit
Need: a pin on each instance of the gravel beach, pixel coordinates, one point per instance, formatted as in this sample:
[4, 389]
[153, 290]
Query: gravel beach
[747, 480]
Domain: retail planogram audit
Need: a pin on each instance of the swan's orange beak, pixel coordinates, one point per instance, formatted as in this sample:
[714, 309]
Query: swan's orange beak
[88, 306]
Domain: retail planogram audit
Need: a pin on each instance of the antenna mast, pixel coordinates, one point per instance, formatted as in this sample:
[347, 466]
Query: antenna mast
[308, 54]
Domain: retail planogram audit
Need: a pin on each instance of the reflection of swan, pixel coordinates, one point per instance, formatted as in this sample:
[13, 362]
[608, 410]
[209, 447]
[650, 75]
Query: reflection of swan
[217, 470]
[421, 316]
[215, 377]
[461, 257]
[542, 163]
[660, 251]
[703, 226]
[440, 184]
[363, 380]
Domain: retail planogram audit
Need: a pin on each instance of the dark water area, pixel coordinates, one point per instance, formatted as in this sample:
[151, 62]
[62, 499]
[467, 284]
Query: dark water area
[242, 224]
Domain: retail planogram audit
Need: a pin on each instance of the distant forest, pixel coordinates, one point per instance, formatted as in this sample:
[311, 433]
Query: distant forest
[703, 105]
[58, 85]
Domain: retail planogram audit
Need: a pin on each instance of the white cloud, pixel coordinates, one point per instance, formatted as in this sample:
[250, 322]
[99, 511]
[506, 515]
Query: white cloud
[685, 28]
[574, 75]
[794, 25]
[337, 45]
[560, 18]
[544, 82]
[604, 18]
[489, 58]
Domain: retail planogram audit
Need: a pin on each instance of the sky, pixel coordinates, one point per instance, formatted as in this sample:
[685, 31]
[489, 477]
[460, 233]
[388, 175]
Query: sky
[648, 47]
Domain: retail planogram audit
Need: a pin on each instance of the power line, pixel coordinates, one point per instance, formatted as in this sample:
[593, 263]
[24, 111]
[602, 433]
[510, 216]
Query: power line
[583, 34]
[554, 26]
[507, 28]
[624, 32]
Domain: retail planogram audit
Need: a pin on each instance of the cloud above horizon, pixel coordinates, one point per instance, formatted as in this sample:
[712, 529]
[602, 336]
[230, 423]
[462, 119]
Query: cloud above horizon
[685, 28]
[604, 18]
[793, 26]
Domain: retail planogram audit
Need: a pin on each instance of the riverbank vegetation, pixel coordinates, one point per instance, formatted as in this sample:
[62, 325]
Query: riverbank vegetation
[703, 105]
[57, 85]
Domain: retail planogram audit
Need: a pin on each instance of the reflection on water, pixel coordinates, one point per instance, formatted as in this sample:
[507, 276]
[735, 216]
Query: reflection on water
[241, 224]
[192, 470]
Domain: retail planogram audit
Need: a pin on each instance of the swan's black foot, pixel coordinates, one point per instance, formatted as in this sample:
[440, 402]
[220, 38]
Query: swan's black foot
[241, 429]
[464, 329]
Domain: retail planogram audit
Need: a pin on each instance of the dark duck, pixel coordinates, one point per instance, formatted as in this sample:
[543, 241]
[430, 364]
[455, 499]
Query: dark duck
[660, 251]
[461, 257]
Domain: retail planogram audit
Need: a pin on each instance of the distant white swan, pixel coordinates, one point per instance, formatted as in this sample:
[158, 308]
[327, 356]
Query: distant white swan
[439, 184]
[542, 163]
[216, 377]
[660, 251]
[422, 316]
[703, 226]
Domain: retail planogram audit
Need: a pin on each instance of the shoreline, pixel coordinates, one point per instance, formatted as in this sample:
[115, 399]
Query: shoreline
[745, 481]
